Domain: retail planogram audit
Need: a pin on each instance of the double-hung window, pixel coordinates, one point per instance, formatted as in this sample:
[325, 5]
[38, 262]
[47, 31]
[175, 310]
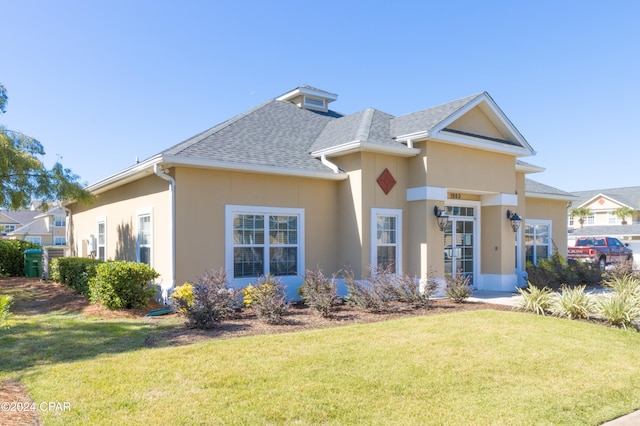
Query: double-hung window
[101, 243]
[386, 240]
[537, 239]
[264, 240]
[144, 237]
[59, 221]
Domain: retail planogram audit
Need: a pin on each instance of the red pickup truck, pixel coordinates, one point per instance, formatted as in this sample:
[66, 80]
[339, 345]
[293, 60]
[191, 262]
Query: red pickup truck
[600, 250]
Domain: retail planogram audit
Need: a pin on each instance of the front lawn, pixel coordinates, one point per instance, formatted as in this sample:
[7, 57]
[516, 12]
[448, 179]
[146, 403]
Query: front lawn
[476, 367]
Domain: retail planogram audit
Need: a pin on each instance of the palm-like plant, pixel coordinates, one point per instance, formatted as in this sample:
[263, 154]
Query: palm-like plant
[580, 213]
[623, 212]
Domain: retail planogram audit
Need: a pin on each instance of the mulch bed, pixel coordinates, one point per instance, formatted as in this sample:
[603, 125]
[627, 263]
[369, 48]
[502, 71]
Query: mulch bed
[46, 297]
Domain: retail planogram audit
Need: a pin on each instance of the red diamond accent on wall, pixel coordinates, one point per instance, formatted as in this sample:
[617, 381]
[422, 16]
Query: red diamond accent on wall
[601, 201]
[386, 181]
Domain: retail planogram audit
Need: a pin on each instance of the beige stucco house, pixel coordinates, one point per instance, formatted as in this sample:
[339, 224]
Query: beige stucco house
[40, 227]
[292, 185]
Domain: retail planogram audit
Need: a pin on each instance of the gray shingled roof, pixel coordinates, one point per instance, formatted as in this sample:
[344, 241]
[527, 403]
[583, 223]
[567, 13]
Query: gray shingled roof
[276, 133]
[629, 195]
[280, 134]
[533, 187]
[21, 216]
[427, 119]
[611, 230]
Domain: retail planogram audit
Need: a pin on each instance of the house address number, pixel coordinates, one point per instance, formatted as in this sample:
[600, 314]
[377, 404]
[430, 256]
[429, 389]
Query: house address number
[454, 196]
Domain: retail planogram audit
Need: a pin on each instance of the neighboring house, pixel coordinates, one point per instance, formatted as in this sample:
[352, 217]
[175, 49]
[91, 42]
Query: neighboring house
[45, 228]
[292, 185]
[10, 220]
[603, 203]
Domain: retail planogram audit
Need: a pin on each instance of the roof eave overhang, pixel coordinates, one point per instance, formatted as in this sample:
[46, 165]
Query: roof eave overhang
[559, 197]
[360, 146]
[145, 168]
[529, 168]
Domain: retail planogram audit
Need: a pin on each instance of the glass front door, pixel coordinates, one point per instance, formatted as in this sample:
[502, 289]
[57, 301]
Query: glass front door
[459, 241]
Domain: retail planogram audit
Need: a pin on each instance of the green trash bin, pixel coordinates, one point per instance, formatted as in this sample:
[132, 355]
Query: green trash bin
[33, 263]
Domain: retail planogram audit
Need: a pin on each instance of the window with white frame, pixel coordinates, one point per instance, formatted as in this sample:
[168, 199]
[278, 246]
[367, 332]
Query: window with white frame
[144, 238]
[386, 240]
[264, 240]
[537, 240]
[613, 219]
[60, 221]
[101, 240]
[59, 241]
[8, 228]
[33, 239]
[591, 220]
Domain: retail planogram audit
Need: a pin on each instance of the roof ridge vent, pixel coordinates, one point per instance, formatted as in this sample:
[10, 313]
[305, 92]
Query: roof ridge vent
[309, 97]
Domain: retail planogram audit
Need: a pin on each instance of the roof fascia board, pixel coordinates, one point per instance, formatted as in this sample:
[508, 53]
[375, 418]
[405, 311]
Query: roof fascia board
[550, 196]
[357, 145]
[307, 91]
[173, 160]
[529, 168]
[479, 143]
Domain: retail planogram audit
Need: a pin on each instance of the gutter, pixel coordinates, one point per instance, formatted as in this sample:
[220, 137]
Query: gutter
[172, 232]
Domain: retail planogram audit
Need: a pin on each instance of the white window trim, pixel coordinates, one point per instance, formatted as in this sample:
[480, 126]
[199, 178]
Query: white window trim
[55, 225]
[231, 210]
[534, 222]
[139, 213]
[397, 213]
[100, 220]
[58, 239]
[36, 239]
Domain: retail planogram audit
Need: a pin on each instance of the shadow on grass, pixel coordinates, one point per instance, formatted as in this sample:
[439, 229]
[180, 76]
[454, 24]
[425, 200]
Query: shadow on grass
[54, 338]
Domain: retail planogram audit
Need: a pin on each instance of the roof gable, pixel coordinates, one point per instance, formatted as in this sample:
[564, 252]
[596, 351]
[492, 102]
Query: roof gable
[627, 196]
[475, 121]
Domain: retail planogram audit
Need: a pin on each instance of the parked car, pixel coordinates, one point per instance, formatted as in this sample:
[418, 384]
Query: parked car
[602, 251]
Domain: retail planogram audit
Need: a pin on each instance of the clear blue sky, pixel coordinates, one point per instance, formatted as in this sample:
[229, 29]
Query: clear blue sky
[101, 83]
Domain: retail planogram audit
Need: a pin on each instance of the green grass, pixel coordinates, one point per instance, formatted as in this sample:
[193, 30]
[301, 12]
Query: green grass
[481, 367]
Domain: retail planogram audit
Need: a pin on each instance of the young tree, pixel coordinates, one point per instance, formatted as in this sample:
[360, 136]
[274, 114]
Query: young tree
[24, 177]
[580, 213]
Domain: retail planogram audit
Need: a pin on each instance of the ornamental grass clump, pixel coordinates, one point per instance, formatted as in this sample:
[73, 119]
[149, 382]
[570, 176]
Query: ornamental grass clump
[319, 293]
[5, 303]
[536, 300]
[267, 299]
[573, 303]
[622, 307]
[208, 302]
[458, 287]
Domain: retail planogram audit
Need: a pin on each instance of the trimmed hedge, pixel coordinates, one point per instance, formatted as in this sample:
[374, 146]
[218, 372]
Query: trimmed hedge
[12, 256]
[74, 272]
[122, 285]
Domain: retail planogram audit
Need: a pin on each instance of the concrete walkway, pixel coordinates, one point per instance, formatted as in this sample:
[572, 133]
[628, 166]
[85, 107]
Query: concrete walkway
[514, 299]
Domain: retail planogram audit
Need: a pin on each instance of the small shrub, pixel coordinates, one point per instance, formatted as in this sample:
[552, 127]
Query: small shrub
[556, 271]
[122, 285]
[267, 298]
[374, 294]
[74, 272]
[319, 293]
[5, 304]
[536, 300]
[573, 303]
[208, 302]
[12, 256]
[458, 287]
[183, 298]
[618, 310]
[410, 291]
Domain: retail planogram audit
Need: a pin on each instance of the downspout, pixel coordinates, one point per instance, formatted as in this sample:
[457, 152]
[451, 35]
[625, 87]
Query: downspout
[172, 232]
[329, 164]
[409, 143]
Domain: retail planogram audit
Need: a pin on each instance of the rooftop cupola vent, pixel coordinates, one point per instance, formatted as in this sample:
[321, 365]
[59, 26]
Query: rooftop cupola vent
[309, 98]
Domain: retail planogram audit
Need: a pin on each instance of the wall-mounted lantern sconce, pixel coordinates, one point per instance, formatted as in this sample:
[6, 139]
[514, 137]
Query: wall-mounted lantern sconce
[515, 220]
[443, 217]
